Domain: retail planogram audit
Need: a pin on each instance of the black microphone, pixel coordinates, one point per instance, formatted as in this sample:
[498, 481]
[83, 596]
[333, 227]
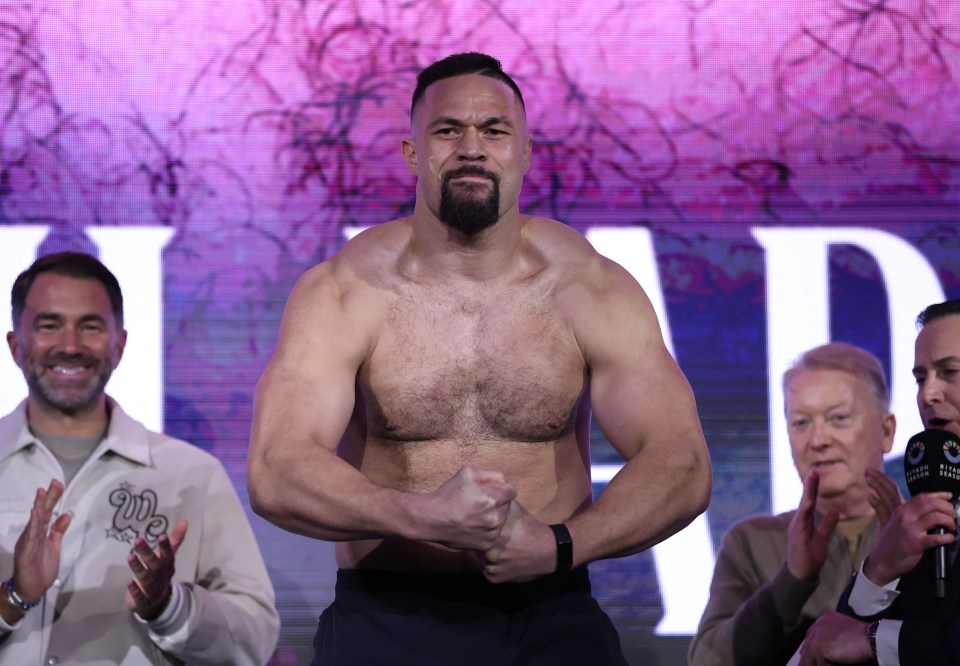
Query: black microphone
[932, 464]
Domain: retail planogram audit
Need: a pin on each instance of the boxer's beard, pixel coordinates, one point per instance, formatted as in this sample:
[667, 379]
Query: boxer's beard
[470, 207]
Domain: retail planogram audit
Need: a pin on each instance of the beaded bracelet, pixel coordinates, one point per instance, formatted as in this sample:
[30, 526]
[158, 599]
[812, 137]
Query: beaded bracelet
[14, 599]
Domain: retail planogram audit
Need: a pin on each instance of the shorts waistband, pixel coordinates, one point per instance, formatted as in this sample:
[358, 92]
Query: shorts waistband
[461, 587]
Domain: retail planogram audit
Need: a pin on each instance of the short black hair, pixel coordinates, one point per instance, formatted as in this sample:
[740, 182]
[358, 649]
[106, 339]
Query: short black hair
[457, 65]
[78, 265]
[938, 311]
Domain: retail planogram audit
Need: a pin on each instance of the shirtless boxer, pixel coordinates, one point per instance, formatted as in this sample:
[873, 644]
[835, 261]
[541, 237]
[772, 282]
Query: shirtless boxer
[428, 408]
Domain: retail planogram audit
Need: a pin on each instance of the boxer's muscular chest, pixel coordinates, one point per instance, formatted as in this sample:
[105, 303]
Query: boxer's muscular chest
[473, 365]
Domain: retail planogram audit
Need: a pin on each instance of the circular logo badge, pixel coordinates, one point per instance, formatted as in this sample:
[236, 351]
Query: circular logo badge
[952, 451]
[915, 453]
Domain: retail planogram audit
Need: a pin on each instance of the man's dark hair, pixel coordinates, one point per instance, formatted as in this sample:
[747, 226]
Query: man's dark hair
[68, 264]
[938, 311]
[457, 65]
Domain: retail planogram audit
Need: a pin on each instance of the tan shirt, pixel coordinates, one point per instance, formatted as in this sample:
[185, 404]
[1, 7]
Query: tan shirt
[758, 613]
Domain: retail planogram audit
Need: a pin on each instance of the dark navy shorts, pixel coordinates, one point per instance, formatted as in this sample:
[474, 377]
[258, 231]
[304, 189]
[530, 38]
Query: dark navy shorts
[403, 619]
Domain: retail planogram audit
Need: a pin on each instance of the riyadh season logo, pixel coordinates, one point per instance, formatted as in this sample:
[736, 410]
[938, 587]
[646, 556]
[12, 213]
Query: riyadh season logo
[915, 452]
[952, 451]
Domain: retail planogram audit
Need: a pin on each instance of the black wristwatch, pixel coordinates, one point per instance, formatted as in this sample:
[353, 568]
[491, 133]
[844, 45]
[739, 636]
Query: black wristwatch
[564, 547]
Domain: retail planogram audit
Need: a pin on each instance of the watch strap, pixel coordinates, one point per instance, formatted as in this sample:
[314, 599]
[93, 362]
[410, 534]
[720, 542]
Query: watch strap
[564, 547]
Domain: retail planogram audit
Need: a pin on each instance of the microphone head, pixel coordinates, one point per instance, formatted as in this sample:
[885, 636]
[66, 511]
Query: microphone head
[932, 462]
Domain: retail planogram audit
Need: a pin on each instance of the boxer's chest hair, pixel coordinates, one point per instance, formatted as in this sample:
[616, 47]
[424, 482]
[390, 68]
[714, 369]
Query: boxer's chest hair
[473, 367]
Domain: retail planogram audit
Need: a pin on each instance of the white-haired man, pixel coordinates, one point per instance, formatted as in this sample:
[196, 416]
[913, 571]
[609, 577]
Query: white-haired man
[775, 575]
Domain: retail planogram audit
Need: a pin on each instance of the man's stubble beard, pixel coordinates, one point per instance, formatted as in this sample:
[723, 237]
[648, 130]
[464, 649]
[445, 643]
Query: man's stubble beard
[72, 401]
[464, 207]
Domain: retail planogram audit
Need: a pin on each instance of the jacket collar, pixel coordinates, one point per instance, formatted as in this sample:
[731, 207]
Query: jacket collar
[125, 436]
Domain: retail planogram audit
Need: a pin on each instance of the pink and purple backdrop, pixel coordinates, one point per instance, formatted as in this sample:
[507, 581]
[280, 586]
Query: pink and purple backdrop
[775, 174]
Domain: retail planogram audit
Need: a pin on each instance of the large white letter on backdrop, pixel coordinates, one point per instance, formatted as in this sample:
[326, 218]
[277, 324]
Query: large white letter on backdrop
[684, 561]
[134, 255]
[798, 318]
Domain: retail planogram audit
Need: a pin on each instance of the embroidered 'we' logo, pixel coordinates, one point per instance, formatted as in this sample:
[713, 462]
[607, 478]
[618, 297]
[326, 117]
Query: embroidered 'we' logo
[135, 515]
